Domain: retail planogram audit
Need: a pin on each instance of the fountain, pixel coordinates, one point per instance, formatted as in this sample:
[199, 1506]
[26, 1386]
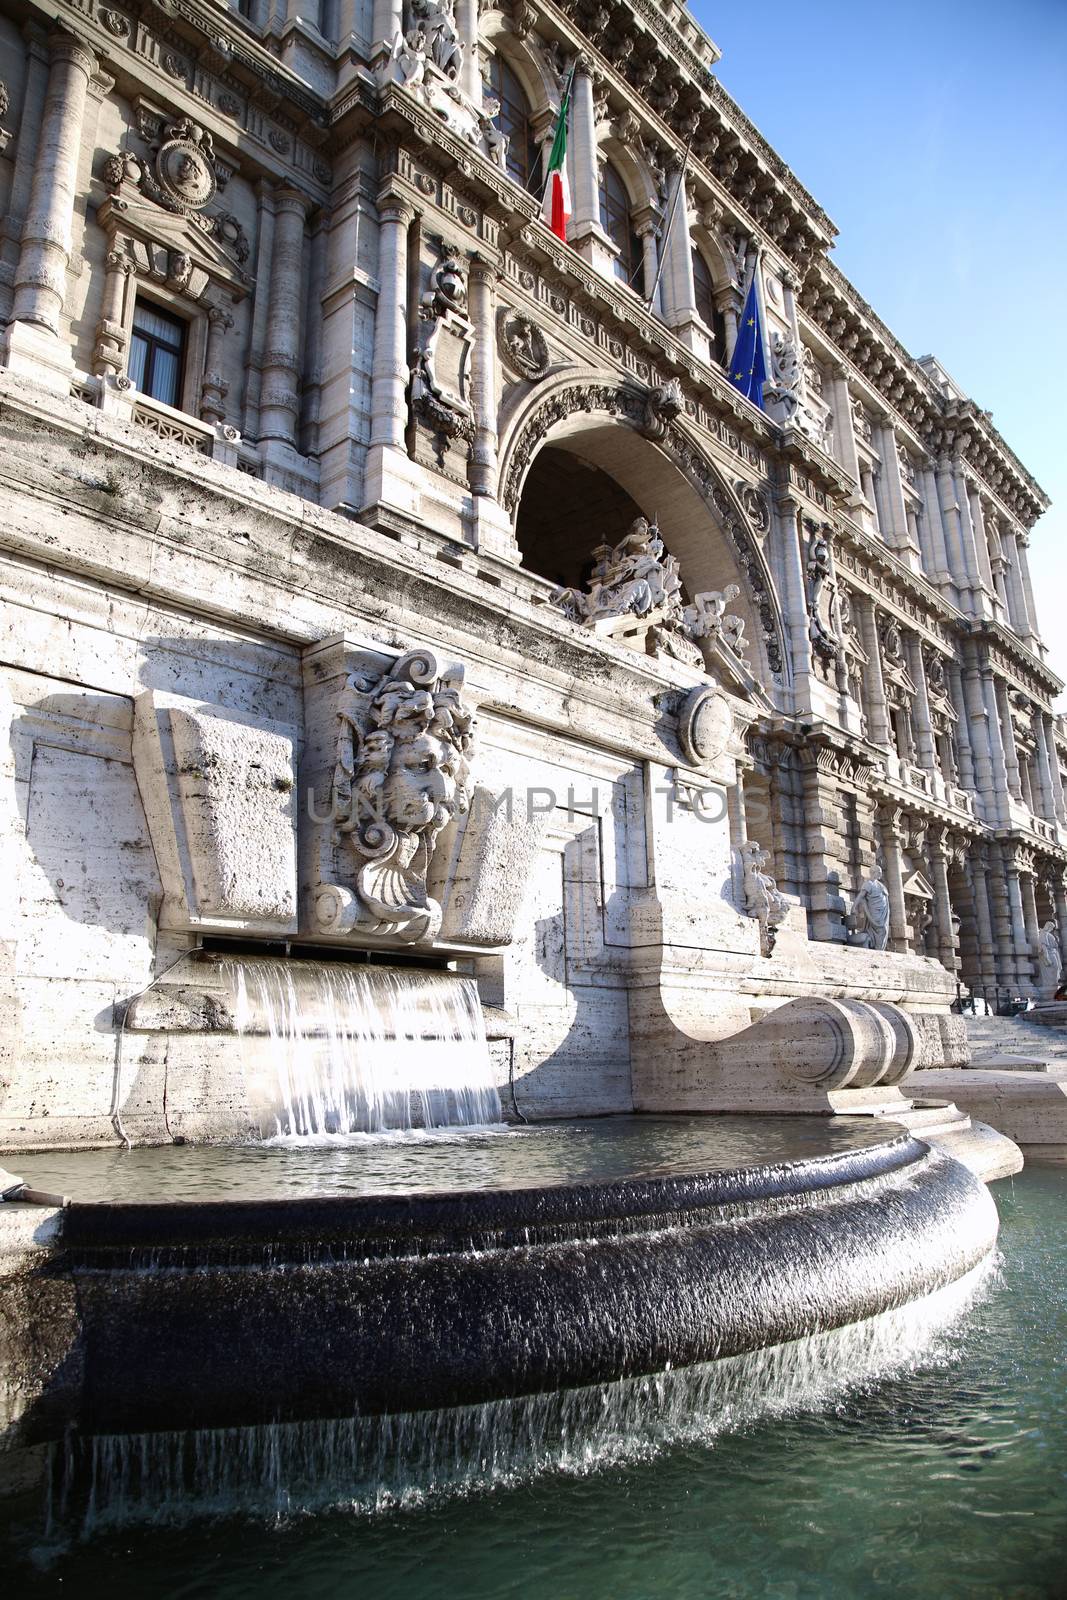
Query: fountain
[333, 1248]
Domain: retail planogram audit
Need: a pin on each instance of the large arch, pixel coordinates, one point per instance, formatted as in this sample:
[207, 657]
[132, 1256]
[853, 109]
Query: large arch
[671, 477]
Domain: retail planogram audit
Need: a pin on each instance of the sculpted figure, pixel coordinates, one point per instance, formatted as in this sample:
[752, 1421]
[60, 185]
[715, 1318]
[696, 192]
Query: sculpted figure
[763, 898]
[1049, 961]
[439, 40]
[869, 919]
[401, 774]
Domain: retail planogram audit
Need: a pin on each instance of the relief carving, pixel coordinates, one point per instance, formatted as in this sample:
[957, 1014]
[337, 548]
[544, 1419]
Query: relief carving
[440, 379]
[523, 345]
[402, 771]
[763, 898]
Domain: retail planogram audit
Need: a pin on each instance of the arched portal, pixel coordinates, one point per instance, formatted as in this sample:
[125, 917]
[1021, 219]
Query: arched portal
[576, 474]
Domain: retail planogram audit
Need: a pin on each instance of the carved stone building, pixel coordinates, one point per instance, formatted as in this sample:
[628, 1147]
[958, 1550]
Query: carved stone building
[295, 381]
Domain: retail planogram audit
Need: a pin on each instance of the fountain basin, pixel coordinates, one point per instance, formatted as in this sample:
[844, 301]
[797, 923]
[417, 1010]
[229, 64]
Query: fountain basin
[592, 1253]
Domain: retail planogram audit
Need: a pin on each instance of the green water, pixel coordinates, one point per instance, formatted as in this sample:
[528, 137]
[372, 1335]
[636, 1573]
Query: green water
[946, 1480]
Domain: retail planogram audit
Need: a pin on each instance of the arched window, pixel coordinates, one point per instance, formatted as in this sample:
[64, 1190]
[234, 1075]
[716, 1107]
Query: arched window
[524, 155]
[617, 223]
[707, 311]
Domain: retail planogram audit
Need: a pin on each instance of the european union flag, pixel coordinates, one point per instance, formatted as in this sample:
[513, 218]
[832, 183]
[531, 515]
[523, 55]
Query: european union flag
[748, 368]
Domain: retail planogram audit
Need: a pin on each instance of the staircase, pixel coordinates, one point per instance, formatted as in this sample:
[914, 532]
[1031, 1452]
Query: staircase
[1016, 1044]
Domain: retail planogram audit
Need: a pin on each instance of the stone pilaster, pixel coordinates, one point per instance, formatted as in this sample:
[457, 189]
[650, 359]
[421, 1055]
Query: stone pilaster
[109, 353]
[279, 405]
[33, 342]
[964, 743]
[922, 721]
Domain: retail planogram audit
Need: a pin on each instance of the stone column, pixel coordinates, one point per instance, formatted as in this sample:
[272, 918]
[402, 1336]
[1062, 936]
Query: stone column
[923, 723]
[33, 340]
[388, 22]
[1022, 960]
[279, 405]
[1030, 918]
[1022, 543]
[109, 354]
[877, 710]
[1044, 769]
[981, 537]
[946, 937]
[470, 77]
[888, 818]
[844, 426]
[1000, 907]
[646, 226]
[1059, 895]
[389, 374]
[582, 153]
[892, 509]
[1048, 734]
[1017, 612]
[679, 292]
[959, 570]
[987, 951]
[1006, 729]
[483, 462]
[794, 596]
[214, 388]
[964, 744]
[940, 568]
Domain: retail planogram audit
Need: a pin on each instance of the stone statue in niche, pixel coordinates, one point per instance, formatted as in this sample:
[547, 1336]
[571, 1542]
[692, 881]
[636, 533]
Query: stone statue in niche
[1049, 961]
[440, 379]
[763, 898]
[404, 743]
[868, 921]
[822, 596]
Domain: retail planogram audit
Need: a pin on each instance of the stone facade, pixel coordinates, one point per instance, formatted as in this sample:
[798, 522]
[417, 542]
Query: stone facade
[407, 428]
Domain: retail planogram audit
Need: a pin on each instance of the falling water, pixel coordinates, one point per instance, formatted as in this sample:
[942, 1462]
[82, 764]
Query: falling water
[361, 1049]
[372, 1464]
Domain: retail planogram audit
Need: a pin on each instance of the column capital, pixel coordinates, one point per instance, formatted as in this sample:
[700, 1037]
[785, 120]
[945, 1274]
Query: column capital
[393, 205]
[287, 198]
[64, 46]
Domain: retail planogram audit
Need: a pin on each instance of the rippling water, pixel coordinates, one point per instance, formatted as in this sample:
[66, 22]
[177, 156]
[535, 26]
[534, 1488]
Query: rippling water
[947, 1479]
[603, 1148]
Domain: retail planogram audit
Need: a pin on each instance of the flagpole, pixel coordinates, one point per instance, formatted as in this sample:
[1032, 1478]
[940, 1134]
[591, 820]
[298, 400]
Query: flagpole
[565, 108]
[670, 219]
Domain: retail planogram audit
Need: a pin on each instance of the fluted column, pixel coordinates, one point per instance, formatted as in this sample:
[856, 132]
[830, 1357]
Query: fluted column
[279, 405]
[389, 374]
[40, 277]
[483, 463]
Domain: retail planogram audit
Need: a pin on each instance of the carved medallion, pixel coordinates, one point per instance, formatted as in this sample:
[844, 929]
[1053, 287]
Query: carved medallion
[705, 726]
[523, 346]
[184, 167]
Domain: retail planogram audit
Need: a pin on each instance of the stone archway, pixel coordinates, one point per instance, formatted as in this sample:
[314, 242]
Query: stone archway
[713, 529]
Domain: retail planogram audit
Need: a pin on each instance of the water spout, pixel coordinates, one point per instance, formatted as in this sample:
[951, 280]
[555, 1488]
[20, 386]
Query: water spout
[361, 1049]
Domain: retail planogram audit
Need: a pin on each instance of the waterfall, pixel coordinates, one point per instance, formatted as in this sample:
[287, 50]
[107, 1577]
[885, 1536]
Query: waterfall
[339, 1050]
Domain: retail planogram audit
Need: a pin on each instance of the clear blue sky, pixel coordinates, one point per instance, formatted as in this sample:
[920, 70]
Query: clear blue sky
[935, 135]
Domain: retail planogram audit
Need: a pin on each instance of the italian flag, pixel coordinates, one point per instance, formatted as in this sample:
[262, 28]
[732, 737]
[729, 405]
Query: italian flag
[556, 206]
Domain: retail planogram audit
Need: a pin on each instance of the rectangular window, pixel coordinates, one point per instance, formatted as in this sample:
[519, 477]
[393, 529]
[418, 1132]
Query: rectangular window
[157, 353]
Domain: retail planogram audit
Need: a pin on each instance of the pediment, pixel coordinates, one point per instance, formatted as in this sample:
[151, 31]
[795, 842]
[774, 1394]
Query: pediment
[168, 246]
[919, 886]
